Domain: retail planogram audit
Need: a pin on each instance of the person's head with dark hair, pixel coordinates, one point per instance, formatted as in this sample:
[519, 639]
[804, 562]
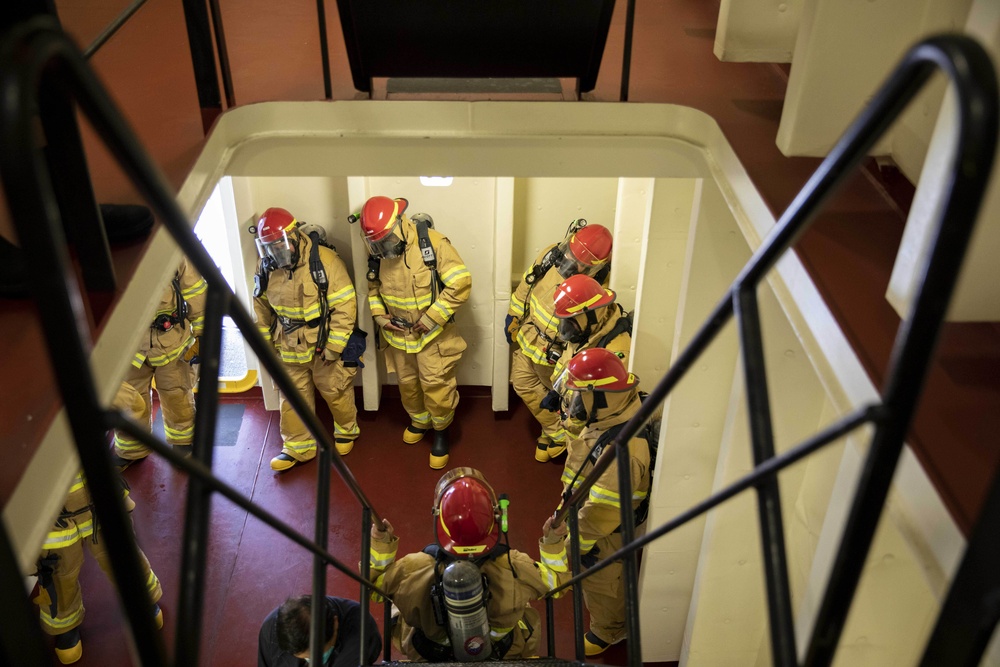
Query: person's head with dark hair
[293, 626]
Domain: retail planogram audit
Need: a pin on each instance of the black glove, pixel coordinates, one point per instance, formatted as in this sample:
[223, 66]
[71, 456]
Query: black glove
[510, 327]
[550, 401]
[355, 349]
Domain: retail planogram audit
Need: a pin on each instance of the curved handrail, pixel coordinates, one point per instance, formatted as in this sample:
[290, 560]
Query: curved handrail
[39, 66]
[971, 71]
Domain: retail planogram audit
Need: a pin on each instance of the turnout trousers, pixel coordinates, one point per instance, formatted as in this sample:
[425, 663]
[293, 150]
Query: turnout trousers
[427, 383]
[531, 382]
[175, 390]
[335, 383]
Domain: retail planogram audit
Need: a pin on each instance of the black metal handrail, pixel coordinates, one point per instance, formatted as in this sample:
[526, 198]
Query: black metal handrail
[41, 68]
[971, 72]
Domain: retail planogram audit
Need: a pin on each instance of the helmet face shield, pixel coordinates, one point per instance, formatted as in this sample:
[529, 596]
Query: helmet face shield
[279, 247]
[389, 246]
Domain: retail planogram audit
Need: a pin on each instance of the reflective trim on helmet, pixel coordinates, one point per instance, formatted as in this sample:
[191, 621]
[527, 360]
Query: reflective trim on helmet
[586, 304]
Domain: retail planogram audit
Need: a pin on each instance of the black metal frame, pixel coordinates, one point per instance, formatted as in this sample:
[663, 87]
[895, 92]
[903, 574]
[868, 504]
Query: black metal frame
[971, 72]
[41, 70]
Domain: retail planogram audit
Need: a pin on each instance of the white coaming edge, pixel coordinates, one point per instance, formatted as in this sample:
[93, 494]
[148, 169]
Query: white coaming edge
[690, 134]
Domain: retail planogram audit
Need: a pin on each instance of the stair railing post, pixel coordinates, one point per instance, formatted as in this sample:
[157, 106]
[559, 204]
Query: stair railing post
[630, 568]
[577, 566]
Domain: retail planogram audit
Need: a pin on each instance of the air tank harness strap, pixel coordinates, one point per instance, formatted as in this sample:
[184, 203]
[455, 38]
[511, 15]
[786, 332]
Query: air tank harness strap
[288, 325]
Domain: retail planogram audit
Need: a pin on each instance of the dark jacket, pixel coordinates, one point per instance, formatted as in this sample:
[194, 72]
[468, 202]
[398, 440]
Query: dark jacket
[346, 652]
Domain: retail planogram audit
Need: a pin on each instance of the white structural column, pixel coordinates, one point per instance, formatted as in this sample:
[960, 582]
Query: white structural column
[660, 274]
[502, 258]
[844, 50]
[692, 425]
[371, 379]
[978, 295]
[760, 31]
[632, 210]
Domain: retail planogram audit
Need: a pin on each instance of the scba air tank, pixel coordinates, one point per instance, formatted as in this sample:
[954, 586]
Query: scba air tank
[468, 624]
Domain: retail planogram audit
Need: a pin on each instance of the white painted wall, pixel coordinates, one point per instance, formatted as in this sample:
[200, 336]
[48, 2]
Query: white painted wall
[693, 423]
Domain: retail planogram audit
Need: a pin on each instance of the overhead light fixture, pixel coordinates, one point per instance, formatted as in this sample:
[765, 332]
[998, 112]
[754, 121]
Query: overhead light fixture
[436, 181]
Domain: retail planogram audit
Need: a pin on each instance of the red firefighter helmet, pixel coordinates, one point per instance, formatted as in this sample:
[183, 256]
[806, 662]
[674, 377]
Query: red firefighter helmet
[586, 251]
[380, 216]
[465, 514]
[273, 230]
[579, 294]
[598, 369]
[591, 245]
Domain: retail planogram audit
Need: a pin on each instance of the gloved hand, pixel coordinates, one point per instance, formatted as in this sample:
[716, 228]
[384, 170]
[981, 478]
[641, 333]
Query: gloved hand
[355, 349]
[386, 323]
[552, 535]
[191, 355]
[330, 356]
[383, 533]
[510, 328]
[550, 401]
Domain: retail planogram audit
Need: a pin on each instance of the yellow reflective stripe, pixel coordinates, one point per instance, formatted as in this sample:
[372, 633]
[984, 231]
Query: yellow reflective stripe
[443, 309]
[164, 359]
[382, 559]
[126, 446]
[139, 359]
[444, 421]
[78, 482]
[517, 306]
[557, 562]
[60, 539]
[499, 633]
[586, 545]
[378, 582]
[639, 495]
[196, 289]
[338, 337]
[407, 303]
[61, 623]
[265, 332]
[559, 436]
[408, 345]
[605, 496]
[449, 277]
[550, 578]
[340, 296]
[536, 354]
[178, 432]
[422, 417]
[340, 430]
[295, 312]
[545, 317]
[375, 304]
[152, 583]
[580, 306]
[293, 357]
[300, 445]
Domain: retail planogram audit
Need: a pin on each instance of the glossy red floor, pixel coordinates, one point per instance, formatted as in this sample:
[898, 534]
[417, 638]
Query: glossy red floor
[251, 568]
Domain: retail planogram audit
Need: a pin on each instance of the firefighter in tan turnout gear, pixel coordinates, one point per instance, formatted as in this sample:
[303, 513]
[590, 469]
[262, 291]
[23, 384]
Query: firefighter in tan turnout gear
[305, 304]
[444, 612]
[603, 396]
[416, 282]
[588, 317]
[166, 353]
[533, 325]
[60, 598]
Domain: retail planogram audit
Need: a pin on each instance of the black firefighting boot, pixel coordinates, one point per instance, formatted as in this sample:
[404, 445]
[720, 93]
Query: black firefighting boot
[439, 450]
[69, 647]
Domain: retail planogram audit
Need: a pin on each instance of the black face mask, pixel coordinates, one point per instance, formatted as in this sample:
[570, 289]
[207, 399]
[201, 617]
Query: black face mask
[571, 332]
